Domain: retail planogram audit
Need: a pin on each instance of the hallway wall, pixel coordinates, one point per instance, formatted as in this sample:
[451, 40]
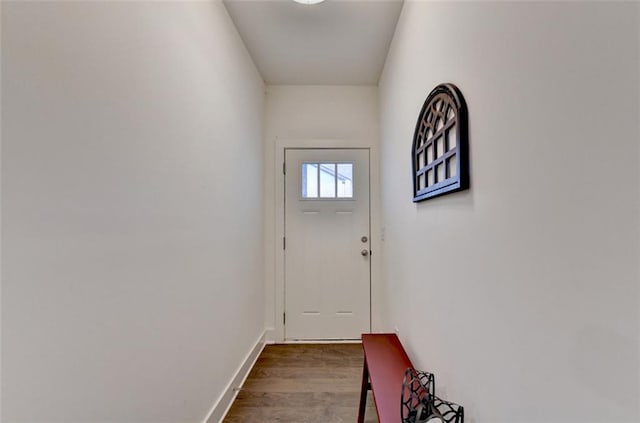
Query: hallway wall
[522, 294]
[348, 114]
[132, 161]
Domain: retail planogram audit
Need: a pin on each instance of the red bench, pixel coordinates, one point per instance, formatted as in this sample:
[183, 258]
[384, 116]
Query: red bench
[384, 364]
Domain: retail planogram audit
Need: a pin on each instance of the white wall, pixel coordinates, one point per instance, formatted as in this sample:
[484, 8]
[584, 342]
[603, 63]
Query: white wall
[132, 209]
[522, 294]
[638, 173]
[348, 114]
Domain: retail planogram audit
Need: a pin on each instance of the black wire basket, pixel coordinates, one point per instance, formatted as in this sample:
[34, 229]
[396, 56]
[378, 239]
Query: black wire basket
[417, 389]
[419, 404]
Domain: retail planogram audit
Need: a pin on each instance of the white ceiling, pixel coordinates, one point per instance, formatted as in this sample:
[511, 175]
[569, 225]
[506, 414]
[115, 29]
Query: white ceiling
[337, 42]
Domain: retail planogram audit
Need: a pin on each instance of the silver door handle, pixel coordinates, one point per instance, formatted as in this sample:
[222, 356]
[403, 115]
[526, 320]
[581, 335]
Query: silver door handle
[364, 252]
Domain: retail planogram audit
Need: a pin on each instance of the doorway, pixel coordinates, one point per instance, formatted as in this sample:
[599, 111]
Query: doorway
[327, 244]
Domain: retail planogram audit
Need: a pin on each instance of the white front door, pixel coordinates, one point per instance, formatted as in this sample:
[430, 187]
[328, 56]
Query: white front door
[327, 246]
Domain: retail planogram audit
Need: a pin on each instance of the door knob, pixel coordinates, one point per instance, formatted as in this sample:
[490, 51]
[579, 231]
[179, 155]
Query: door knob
[364, 252]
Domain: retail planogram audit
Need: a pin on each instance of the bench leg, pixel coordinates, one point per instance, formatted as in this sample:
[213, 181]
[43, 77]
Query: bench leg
[363, 392]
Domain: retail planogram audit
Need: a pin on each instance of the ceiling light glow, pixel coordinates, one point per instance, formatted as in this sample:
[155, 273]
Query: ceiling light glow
[308, 1]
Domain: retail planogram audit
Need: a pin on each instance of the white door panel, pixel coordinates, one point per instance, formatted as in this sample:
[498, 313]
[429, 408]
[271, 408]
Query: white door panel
[327, 278]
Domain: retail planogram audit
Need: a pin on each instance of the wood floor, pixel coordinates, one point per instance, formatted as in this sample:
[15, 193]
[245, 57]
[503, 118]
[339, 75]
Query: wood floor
[304, 383]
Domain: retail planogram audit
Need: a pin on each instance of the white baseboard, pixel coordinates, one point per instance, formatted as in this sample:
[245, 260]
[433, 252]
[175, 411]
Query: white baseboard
[223, 404]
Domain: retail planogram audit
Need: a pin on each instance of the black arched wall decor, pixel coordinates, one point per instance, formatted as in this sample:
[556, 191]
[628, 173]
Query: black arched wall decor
[440, 152]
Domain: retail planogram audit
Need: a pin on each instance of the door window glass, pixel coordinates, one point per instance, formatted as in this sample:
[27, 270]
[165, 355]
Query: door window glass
[309, 180]
[345, 180]
[327, 180]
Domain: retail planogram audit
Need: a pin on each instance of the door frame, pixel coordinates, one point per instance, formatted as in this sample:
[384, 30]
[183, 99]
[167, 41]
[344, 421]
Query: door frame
[278, 334]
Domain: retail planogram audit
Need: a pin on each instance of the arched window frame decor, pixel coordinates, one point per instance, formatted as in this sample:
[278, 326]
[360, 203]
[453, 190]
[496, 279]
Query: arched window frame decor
[440, 151]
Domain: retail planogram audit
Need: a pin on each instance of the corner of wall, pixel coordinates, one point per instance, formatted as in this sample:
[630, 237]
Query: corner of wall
[224, 402]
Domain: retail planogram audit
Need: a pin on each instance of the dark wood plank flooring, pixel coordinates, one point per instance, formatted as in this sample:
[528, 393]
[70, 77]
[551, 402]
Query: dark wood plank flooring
[304, 383]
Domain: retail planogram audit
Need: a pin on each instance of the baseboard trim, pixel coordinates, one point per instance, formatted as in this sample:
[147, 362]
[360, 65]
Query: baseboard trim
[223, 404]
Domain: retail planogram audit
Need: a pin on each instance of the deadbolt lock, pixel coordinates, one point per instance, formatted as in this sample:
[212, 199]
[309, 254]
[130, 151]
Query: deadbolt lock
[364, 239]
